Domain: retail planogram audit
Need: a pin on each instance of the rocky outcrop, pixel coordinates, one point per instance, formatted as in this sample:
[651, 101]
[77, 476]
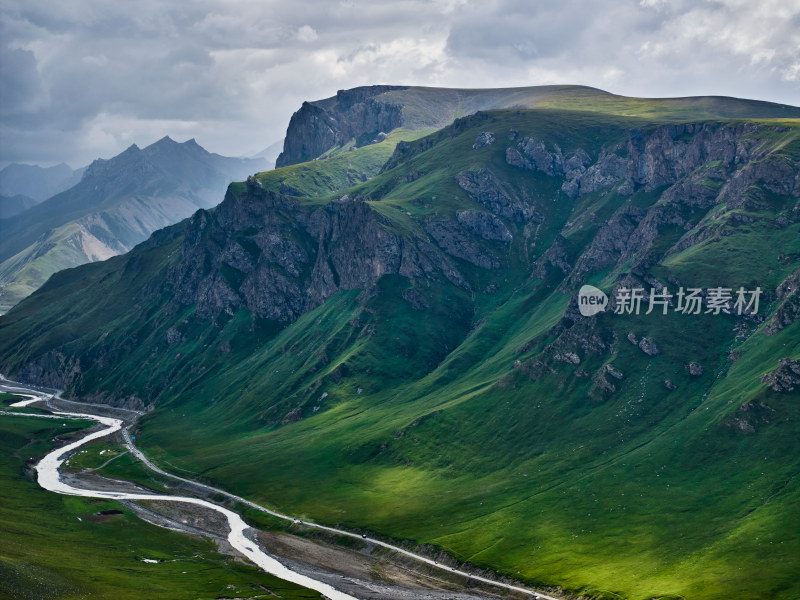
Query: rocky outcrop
[352, 114]
[452, 239]
[554, 256]
[568, 357]
[749, 417]
[673, 151]
[581, 176]
[648, 346]
[704, 165]
[484, 224]
[405, 151]
[789, 310]
[485, 138]
[533, 154]
[695, 370]
[785, 378]
[661, 158]
[604, 174]
[486, 189]
[611, 242]
[777, 174]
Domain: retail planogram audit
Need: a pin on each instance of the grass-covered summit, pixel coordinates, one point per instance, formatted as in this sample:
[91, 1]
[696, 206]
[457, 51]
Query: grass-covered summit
[363, 115]
[406, 354]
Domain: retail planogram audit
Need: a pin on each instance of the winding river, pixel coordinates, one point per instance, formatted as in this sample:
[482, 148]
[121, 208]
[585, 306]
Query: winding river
[50, 479]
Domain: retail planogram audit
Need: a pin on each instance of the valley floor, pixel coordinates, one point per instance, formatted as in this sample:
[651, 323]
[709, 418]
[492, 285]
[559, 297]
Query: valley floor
[367, 569]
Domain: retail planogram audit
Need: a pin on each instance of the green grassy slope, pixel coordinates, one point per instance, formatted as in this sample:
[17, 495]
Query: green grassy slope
[55, 546]
[341, 169]
[426, 107]
[457, 425]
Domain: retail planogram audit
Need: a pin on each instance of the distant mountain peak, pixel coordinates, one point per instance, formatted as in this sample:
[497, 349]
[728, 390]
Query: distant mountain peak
[165, 141]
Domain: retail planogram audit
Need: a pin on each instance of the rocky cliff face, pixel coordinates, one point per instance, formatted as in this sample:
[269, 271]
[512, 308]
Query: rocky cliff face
[352, 114]
[695, 166]
[650, 159]
[277, 258]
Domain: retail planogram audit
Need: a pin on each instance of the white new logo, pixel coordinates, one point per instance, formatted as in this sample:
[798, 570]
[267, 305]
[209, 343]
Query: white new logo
[591, 300]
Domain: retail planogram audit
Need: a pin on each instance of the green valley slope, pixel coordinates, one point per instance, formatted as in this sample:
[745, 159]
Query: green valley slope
[408, 356]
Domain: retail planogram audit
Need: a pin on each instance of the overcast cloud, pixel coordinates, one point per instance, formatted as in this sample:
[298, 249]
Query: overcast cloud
[87, 78]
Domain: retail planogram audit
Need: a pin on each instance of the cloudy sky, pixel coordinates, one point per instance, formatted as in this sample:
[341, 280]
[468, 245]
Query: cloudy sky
[81, 79]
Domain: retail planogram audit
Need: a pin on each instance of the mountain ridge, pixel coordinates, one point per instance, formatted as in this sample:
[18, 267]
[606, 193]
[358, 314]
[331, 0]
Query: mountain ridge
[362, 113]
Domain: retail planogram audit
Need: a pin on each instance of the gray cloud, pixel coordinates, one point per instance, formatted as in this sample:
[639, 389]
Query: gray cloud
[86, 78]
[21, 88]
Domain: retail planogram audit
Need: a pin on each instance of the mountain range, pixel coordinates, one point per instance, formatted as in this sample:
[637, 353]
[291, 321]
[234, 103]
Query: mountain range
[24, 186]
[116, 204]
[386, 333]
